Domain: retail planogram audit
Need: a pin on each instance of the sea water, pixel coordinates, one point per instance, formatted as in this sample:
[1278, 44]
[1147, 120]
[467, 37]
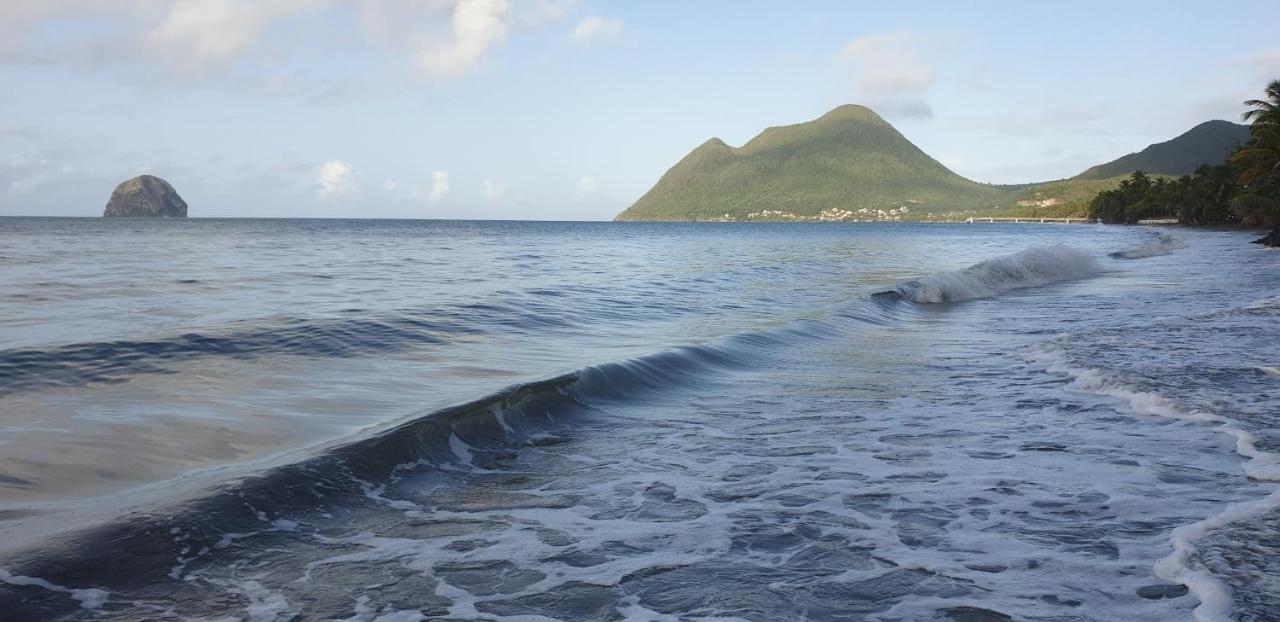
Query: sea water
[406, 420]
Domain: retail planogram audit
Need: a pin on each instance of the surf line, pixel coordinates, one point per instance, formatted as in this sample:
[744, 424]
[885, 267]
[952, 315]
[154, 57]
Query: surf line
[1178, 566]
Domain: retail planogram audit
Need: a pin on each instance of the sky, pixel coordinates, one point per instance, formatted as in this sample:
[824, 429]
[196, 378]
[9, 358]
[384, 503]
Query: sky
[572, 109]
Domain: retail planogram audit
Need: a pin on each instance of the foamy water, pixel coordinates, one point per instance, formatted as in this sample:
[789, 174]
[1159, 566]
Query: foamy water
[405, 421]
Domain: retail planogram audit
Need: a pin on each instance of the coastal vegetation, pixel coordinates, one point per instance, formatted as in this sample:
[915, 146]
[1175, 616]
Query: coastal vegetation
[1065, 198]
[1245, 189]
[1202, 198]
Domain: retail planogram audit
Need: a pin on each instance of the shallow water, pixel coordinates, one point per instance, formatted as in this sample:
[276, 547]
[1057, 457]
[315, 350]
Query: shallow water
[275, 420]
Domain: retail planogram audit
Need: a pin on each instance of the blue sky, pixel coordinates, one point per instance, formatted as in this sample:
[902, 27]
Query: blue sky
[561, 109]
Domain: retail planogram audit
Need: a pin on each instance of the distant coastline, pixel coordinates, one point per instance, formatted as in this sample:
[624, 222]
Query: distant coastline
[851, 165]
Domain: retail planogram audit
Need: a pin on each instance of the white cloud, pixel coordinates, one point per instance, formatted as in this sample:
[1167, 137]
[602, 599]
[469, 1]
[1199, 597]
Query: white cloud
[889, 64]
[595, 28]
[537, 13]
[335, 179]
[1226, 85]
[27, 172]
[492, 191]
[441, 38]
[901, 107]
[1267, 63]
[586, 186]
[196, 33]
[476, 26]
[890, 74]
[439, 186]
[389, 185]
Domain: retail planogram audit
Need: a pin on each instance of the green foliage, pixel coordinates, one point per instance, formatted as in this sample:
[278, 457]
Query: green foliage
[1244, 189]
[1064, 198]
[1259, 159]
[1202, 198]
[1209, 143]
[1258, 162]
[1265, 111]
[1258, 205]
[1205, 197]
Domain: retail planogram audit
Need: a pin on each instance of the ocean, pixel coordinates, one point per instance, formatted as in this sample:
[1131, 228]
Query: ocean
[365, 420]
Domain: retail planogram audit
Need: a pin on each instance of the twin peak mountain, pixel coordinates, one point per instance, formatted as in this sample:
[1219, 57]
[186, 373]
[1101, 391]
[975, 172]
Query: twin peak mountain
[851, 159]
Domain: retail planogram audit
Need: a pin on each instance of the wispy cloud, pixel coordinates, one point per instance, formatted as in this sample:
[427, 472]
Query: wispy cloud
[492, 190]
[890, 73]
[1267, 62]
[530, 14]
[595, 29]
[199, 33]
[442, 39]
[1224, 88]
[27, 172]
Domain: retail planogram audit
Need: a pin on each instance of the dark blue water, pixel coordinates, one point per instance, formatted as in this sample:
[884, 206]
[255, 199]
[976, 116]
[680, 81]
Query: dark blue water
[402, 420]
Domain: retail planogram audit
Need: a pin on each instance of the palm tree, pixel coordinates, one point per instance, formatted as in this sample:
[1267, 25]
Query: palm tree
[1265, 111]
[1259, 160]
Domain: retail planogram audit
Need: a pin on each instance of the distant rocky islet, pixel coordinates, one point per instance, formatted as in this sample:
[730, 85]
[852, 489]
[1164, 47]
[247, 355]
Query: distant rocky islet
[145, 196]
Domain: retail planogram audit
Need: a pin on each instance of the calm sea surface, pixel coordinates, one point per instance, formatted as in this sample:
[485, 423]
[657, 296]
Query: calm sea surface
[406, 420]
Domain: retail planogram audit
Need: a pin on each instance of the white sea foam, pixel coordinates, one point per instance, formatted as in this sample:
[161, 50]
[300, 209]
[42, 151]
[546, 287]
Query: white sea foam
[1180, 566]
[377, 492]
[461, 450]
[632, 611]
[1163, 245]
[90, 598]
[496, 410]
[1260, 464]
[364, 612]
[1261, 304]
[1034, 266]
[265, 605]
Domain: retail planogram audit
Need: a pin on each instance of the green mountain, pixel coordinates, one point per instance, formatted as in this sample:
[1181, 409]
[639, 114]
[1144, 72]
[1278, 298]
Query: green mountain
[849, 159]
[1208, 143]
[850, 164]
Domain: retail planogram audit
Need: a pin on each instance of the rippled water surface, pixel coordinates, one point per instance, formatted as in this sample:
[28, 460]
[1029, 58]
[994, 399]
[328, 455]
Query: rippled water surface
[406, 420]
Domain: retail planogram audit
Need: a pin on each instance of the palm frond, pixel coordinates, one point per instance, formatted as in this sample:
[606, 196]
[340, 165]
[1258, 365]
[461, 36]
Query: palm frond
[1265, 111]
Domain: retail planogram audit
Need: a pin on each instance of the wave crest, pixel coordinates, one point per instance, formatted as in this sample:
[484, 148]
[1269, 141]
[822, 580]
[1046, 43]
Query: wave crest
[1162, 245]
[1038, 265]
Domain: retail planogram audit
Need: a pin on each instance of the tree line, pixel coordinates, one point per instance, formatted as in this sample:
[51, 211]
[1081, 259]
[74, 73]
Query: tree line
[1243, 190]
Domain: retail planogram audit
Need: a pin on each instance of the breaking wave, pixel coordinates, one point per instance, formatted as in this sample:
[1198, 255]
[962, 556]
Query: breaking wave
[1162, 245]
[353, 475]
[1038, 265]
[531, 414]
